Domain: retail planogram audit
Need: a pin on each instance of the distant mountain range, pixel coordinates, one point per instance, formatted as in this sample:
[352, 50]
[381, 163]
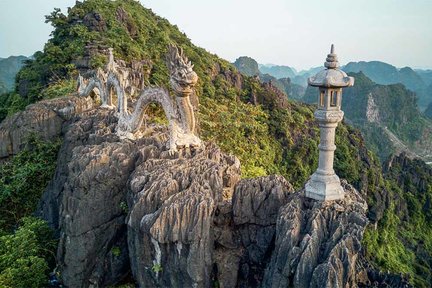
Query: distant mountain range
[384, 102]
[387, 115]
[278, 71]
[416, 80]
[278, 76]
[9, 67]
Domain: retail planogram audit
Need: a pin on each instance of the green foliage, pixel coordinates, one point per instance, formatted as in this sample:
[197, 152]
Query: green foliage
[124, 207]
[11, 103]
[25, 255]
[116, 251]
[157, 268]
[241, 129]
[59, 89]
[403, 240]
[24, 178]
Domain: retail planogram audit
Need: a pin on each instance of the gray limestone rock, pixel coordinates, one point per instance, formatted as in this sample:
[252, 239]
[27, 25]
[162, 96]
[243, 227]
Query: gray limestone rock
[84, 201]
[44, 118]
[256, 204]
[318, 243]
[172, 202]
[187, 220]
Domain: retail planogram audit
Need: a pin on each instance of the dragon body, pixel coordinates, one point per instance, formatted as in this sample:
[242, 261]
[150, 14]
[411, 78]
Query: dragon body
[179, 111]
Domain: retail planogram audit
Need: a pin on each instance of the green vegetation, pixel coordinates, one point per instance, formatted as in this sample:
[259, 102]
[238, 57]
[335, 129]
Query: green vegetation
[403, 241]
[27, 248]
[116, 251]
[157, 268]
[23, 179]
[266, 137]
[26, 255]
[10, 103]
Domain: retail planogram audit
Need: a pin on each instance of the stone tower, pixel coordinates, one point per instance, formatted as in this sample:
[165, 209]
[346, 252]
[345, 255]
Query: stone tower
[324, 184]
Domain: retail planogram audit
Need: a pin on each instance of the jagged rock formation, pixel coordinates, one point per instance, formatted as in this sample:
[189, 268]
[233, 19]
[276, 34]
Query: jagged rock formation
[255, 209]
[318, 243]
[186, 220]
[44, 118]
[172, 204]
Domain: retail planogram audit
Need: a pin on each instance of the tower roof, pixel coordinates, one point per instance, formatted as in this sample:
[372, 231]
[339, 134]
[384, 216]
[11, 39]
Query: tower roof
[331, 76]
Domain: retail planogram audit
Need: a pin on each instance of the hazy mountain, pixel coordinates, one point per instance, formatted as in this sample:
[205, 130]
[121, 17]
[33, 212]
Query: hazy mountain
[383, 73]
[426, 75]
[387, 115]
[277, 71]
[9, 67]
[250, 67]
[247, 66]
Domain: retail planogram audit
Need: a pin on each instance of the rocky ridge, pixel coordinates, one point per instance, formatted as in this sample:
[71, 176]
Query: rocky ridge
[187, 220]
[44, 118]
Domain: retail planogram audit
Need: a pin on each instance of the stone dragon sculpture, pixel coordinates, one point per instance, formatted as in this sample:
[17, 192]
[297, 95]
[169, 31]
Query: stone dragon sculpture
[179, 111]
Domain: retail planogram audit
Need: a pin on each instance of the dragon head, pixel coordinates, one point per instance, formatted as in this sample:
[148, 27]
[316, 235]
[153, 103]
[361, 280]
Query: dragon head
[182, 76]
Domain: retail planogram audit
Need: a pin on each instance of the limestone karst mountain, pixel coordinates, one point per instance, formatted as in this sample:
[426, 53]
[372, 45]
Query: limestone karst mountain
[247, 66]
[278, 71]
[428, 111]
[250, 67]
[127, 211]
[9, 67]
[388, 117]
[383, 73]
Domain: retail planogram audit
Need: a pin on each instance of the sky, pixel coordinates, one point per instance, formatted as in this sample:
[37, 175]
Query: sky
[284, 32]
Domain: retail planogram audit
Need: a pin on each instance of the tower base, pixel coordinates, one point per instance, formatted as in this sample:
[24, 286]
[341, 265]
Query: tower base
[324, 187]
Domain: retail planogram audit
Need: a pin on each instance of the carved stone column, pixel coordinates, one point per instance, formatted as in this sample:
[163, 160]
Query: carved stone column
[324, 184]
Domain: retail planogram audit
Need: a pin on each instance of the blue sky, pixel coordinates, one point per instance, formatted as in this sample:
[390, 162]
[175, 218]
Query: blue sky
[294, 33]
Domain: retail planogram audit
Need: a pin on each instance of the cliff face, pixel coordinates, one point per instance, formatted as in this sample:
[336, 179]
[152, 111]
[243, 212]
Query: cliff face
[44, 118]
[187, 220]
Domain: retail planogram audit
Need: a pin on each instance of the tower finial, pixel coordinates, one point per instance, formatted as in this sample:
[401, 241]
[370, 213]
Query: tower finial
[331, 60]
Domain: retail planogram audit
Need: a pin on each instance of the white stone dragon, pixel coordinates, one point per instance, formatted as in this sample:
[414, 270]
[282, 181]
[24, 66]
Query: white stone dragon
[179, 112]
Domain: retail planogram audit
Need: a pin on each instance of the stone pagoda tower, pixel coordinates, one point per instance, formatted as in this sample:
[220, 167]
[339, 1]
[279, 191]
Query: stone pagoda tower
[324, 184]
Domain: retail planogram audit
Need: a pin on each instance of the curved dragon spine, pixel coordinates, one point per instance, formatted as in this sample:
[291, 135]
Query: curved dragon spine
[102, 87]
[114, 82]
[179, 113]
[129, 125]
